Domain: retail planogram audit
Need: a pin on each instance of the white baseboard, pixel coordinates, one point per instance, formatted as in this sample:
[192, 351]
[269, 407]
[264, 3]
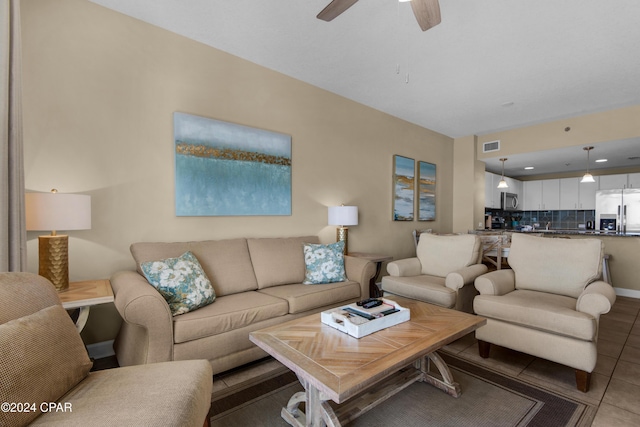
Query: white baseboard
[101, 349]
[631, 293]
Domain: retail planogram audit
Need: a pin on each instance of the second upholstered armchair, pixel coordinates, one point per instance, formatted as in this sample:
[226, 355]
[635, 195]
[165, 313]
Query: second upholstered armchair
[442, 272]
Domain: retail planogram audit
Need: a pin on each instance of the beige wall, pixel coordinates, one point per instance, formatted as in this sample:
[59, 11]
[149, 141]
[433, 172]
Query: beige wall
[607, 126]
[468, 186]
[100, 90]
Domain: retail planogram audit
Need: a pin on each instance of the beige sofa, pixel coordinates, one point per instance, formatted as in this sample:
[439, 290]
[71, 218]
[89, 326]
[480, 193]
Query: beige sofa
[45, 378]
[258, 283]
[548, 304]
[442, 272]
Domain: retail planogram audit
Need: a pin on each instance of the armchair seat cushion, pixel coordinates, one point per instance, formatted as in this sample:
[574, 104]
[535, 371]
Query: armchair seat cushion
[423, 288]
[229, 312]
[538, 310]
[158, 394]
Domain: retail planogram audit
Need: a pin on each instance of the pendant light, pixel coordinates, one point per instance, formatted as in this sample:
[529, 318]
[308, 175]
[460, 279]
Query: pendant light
[503, 183]
[587, 176]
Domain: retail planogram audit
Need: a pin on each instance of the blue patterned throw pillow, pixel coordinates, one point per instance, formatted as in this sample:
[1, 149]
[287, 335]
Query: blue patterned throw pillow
[324, 263]
[181, 281]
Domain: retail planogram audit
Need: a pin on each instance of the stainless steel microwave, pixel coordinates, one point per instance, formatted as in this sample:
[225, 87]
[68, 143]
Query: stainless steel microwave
[509, 201]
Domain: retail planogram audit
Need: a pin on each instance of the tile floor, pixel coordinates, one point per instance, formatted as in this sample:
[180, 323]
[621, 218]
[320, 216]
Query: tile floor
[615, 382]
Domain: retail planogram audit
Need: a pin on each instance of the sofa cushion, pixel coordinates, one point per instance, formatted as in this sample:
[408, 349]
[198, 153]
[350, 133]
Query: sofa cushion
[425, 288]
[303, 297]
[559, 266]
[225, 262]
[158, 394]
[279, 261]
[181, 281]
[28, 376]
[228, 313]
[440, 255]
[539, 310]
[324, 263]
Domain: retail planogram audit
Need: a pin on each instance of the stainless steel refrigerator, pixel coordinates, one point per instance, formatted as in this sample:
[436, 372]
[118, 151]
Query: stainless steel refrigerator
[618, 210]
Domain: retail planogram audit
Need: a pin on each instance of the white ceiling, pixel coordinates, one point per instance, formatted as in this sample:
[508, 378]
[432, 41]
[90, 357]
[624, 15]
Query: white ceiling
[490, 65]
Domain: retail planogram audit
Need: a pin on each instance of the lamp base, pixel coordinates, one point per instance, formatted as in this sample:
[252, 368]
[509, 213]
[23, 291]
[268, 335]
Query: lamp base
[342, 235]
[53, 252]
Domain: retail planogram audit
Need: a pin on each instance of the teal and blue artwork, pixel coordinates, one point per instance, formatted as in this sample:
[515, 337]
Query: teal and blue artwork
[225, 169]
[427, 191]
[403, 188]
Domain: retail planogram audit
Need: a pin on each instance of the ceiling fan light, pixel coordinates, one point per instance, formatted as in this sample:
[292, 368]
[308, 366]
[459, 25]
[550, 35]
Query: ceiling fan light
[587, 178]
[503, 184]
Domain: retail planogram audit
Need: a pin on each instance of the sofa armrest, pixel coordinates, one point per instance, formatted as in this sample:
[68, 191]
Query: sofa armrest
[596, 299]
[405, 267]
[140, 304]
[497, 282]
[360, 270]
[459, 278]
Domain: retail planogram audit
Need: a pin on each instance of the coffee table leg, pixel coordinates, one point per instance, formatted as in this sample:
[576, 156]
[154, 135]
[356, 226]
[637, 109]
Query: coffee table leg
[319, 412]
[446, 384]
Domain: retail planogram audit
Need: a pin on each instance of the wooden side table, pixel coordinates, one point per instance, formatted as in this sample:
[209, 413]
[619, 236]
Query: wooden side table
[378, 259]
[83, 295]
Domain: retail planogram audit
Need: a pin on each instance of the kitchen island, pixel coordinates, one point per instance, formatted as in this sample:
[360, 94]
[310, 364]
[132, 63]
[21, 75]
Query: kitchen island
[623, 251]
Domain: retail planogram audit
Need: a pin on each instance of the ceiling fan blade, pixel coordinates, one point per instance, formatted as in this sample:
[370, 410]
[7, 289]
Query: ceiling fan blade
[335, 8]
[427, 13]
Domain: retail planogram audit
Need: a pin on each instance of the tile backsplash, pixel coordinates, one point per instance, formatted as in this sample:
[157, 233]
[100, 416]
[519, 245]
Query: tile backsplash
[557, 220]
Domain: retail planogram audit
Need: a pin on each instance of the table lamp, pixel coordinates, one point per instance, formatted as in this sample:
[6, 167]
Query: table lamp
[342, 216]
[51, 212]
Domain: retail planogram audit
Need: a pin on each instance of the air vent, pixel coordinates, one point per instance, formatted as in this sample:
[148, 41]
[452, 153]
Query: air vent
[488, 147]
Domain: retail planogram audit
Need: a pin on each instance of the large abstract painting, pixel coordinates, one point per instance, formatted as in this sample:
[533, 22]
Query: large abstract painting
[426, 191]
[403, 188]
[228, 169]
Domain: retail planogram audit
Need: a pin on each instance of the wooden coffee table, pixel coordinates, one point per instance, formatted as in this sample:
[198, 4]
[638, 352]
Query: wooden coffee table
[361, 373]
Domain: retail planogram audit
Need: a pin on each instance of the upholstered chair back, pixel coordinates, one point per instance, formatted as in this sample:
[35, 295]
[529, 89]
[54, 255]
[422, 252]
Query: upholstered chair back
[441, 255]
[558, 266]
[22, 294]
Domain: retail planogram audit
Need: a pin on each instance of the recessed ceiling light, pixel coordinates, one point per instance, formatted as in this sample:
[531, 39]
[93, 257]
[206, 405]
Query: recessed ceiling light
[601, 160]
[528, 168]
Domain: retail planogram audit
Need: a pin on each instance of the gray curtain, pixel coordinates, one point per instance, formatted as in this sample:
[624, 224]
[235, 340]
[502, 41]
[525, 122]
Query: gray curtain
[13, 235]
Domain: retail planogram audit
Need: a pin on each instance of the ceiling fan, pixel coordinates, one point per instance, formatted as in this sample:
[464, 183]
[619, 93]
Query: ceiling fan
[427, 12]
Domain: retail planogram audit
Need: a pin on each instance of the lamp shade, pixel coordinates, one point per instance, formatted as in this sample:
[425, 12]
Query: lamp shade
[343, 215]
[57, 211]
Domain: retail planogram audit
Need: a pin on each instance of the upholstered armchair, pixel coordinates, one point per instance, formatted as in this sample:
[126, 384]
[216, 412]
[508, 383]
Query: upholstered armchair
[442, 272]
[44, 371]
[548, 304]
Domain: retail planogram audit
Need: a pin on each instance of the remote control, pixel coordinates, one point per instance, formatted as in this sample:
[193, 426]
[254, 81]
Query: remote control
[372, 304]
[365, 301]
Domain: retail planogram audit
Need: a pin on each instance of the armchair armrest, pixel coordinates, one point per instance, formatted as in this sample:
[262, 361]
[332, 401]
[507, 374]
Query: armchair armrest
[459, 278]
[141, 305]
[596, 299]
[405, 267]
[360, 270]
[497, 282]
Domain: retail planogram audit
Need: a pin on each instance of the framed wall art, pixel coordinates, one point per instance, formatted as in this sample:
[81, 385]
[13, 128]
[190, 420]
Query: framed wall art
[403, 188]
[226, 169]
[426, 191]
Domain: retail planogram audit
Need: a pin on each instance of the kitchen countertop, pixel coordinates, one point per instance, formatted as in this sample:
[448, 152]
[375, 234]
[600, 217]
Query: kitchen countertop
[561, 232]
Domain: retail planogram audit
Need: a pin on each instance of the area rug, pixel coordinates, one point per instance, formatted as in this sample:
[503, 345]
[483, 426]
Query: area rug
[488, 399]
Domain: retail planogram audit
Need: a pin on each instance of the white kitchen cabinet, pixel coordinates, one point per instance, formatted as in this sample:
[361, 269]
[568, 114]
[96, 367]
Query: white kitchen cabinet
[551, 194]
[491, 196]
[613, 182]
[569, 193]
[587, 195]
[532, 195]
[633, 180]
[577, 195]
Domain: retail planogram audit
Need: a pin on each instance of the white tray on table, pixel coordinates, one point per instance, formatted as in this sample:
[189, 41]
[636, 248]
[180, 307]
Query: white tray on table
[359, 327]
